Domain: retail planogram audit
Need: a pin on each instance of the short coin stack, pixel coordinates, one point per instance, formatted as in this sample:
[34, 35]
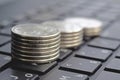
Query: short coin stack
[35, 43]
[71, 34]
[91, 27]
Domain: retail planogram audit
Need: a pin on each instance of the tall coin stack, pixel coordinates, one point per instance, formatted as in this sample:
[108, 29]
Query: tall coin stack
[71, 34]
[35, 43]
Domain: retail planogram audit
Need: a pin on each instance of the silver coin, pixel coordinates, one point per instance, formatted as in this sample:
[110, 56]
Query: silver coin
[71, 38]
[36, 45]
[35, 49]
[70, 28]
[71, 35]
[71, 41]
[37, 61]
[71, 45]
[35, 53]
[33, 39]
[64, 27]
[45, 41]
[36, 57]
[34, 31]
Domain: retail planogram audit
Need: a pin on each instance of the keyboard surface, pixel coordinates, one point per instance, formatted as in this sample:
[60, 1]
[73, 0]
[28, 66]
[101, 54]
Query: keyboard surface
[96, 59]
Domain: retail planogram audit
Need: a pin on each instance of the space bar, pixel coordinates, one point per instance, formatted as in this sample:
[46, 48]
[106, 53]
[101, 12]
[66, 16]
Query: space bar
[112, 32]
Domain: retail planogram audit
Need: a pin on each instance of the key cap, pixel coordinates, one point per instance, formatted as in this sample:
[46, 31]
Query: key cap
[93, 53]
[6, 31]
[104, 43]
[6, 23]
[6, 49]
[81, 65]
[39, 68]
[11, 74]
[64, 54]
[64, 75]
[4, 60]
[112, 32]
[114, 65]
[118, 53]
[4, 39]
[108, 76]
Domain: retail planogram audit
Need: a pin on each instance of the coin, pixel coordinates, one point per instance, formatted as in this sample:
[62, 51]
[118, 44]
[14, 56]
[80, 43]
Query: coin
[70, 28]
[71, 35]
[64, 27]
[35, 49]
[71, 38]
[70, 41]
[34, 31]
[37, 61]
[36, 57]
[36, 45]
[35, 53]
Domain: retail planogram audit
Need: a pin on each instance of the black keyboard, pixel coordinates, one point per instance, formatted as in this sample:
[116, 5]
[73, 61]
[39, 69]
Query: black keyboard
[96, 59]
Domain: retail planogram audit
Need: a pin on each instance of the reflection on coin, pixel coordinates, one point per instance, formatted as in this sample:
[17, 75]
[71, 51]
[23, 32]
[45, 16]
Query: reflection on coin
[34, 31]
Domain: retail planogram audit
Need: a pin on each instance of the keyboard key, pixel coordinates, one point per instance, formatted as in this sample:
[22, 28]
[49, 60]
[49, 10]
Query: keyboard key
[113, 31]
[114, 65]
[108, 76]
[64, 54]
[104, 43]
[4, 39]
[6, 31]
[93, 53]
[81, 65]
[6, 49]
[64, 75]
[6, 23]
[40, 68]
[4, 59]
[11, 74]
[118, 53]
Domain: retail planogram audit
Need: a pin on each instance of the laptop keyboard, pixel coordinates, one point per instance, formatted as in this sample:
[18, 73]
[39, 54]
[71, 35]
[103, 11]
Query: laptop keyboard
[96, 59]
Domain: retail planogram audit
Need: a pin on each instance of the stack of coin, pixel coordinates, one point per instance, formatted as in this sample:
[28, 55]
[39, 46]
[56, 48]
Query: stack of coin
[35, 43]
[91, 27]
[71, 34]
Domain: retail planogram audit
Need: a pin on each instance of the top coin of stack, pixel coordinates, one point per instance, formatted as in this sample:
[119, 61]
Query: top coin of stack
[91, 27]
[35, 43]
[71, 35]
